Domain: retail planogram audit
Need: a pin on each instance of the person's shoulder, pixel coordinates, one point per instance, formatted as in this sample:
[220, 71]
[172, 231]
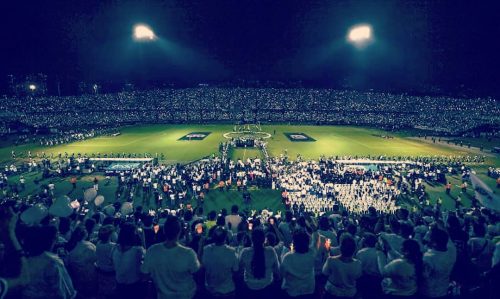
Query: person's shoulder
[138, 248]
[287, 256]
[429, 254]
[269, 249]
[53, 259]
[155, 248]
[397, 262]
[363, 251]
[356, 262]
[246, 251]
[333, 258]
[208, 247]
[230, 248]
[185, 249]
[89, 245]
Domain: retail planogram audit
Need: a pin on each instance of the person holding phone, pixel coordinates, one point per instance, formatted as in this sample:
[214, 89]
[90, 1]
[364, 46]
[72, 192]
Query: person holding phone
[297, 267]
[401, 275]
[342, 271]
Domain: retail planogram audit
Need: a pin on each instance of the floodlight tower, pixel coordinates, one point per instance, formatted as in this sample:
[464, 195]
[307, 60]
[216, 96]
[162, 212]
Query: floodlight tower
[142, 34]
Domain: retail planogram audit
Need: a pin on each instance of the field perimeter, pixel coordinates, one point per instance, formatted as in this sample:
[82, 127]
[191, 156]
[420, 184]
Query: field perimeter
[164, 139]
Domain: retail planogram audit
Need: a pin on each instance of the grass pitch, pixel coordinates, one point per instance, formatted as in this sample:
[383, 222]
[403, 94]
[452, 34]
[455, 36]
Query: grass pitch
[164, 139]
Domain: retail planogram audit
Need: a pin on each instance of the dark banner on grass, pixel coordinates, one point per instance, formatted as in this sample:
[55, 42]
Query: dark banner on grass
[195, 136]
[299, 137]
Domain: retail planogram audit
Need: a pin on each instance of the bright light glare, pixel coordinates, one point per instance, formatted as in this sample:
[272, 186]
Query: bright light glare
[143, 32]
[32, 86]
[360, 33]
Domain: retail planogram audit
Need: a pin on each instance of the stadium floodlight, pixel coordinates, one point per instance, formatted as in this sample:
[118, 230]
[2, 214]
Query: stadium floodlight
[32, 87]
[143, 33]
[360, 35]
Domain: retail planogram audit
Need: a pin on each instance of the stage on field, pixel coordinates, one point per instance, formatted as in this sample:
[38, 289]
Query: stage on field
[122, 166]
[299, 137]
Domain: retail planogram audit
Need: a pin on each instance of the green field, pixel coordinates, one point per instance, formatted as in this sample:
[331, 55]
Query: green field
[164, 139]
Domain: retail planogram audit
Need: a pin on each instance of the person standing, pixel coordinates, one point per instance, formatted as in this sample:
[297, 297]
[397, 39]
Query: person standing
[401, 275]
[260, 267]
[22, 182]
[96, 184]
[104, 262]
[297, 268]
[369, 282]
[220, 263]
[438, 264]
[343, 270]
[127, 260]
[234, 219]
[448, 188]
[171, 265]
[80, 262]
[48, 277]
[73, 182]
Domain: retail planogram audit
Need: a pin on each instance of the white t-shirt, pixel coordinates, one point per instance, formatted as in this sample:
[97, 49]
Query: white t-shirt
[104, 253]
[284, 228]
[496, 255]
[272, 266]
[342, 276]
[395, 241]
[400, 276]
[81, 265]
[437, 269]
[48, 278]
[368, 258]
[481, 251]
[220, 262]
[235, 220]
[172, 270]
[297, 270]
[128, 264]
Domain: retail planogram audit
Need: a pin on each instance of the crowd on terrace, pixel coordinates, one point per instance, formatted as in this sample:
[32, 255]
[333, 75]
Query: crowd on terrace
[443, 114]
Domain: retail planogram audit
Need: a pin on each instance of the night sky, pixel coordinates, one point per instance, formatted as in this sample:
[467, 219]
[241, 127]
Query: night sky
[420, 46]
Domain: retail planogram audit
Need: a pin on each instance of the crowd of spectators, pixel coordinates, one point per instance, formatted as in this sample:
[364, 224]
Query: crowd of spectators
[180, 253]
[495, 173]
[442, 114]
[343, 233]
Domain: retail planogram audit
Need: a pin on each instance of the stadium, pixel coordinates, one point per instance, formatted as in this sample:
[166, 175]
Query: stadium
[170, 150]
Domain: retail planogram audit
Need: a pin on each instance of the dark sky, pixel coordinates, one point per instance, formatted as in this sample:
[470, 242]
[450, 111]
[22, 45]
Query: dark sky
[448, 45]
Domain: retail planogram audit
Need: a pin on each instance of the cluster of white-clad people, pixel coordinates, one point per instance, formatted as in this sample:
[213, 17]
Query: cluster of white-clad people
[310, 187]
